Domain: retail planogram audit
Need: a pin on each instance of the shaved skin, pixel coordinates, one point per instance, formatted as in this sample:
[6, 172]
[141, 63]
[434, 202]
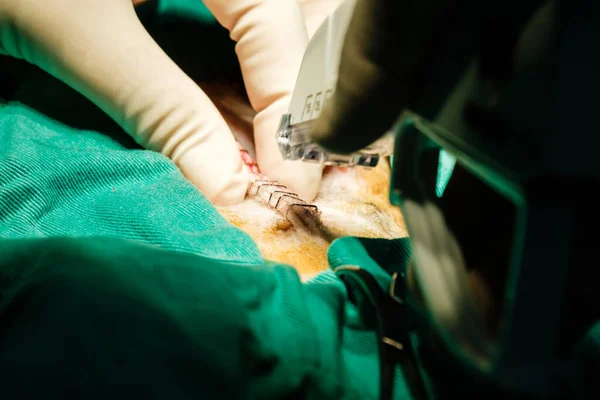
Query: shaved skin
[351, 202]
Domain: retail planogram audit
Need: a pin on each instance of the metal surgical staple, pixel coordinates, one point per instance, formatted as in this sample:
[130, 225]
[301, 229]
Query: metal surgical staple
[278, 198]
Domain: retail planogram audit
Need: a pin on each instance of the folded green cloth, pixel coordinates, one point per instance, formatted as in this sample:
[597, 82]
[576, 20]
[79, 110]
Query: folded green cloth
[121, 303]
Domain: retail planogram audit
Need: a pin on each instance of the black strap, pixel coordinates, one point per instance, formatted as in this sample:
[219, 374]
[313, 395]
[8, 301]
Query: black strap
[392, 333]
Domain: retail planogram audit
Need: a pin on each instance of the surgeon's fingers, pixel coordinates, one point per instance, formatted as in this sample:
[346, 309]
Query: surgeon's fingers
[385, 51]
[100, 48]
[271, 38]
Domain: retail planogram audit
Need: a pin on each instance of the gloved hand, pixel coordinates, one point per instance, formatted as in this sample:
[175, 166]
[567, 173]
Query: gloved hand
[101, 49]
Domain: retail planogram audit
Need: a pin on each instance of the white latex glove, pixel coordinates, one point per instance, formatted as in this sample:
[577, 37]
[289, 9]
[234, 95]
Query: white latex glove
[101, 49]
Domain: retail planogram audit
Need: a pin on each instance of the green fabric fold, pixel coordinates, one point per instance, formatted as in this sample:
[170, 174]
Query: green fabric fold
[59, 181]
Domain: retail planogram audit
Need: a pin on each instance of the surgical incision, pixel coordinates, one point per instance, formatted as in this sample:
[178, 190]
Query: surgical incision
[289, 205]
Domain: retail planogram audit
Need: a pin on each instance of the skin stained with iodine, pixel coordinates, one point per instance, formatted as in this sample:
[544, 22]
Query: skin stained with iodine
[351, 202]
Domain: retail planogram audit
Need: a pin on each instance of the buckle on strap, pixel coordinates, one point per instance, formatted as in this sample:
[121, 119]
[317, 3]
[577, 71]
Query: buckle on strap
[394, 346]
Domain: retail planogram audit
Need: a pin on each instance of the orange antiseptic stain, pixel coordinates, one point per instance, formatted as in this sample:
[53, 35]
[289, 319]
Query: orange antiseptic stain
[377, 179]
[307, 254]
[307, 258]
[239, 221]
[283, 225]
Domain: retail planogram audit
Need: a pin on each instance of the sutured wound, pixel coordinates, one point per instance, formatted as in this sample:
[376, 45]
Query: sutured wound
[276, 196]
